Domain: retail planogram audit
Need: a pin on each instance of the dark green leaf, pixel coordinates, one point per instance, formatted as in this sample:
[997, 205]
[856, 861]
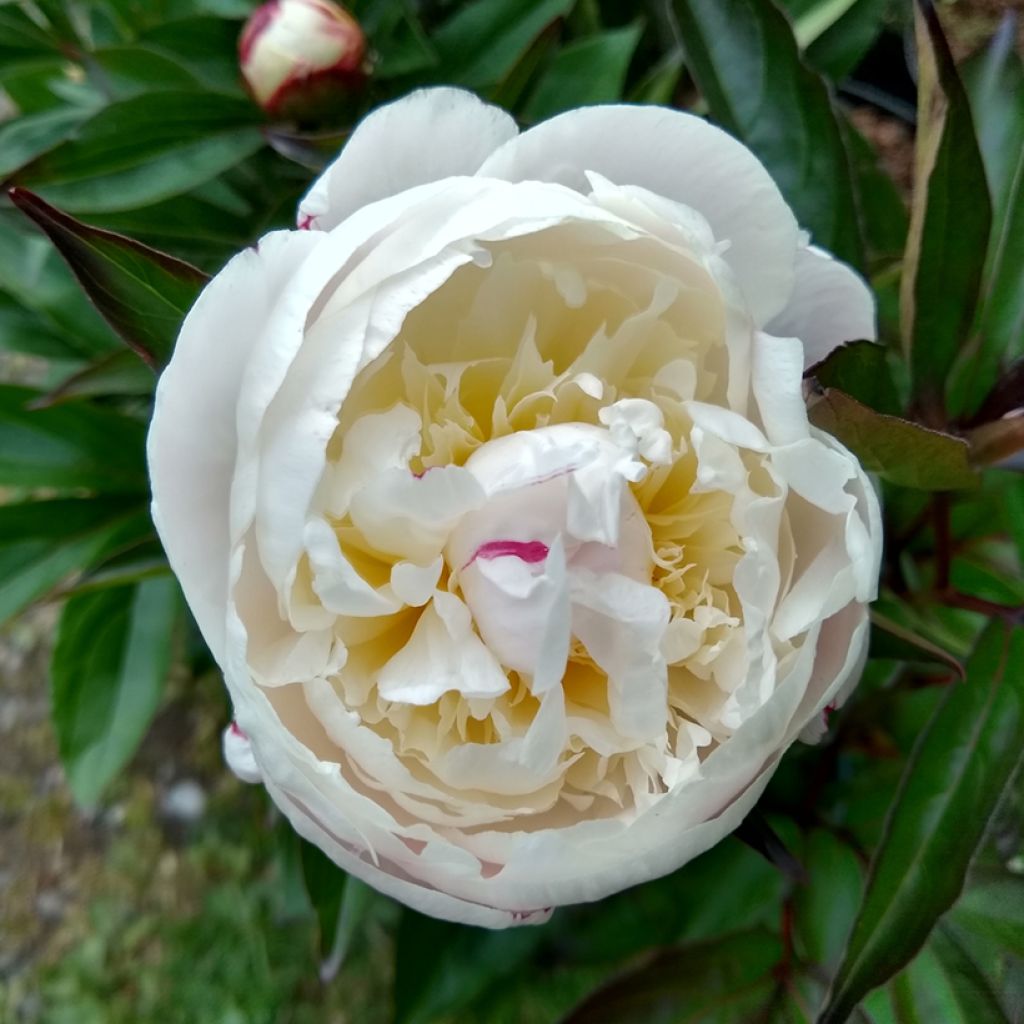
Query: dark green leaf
[950, 789]
[994, 908]
[109, 666]
[825, 907]
[325, 885]
[861, 370]
[838, 48]
[440, 967]
[971, 990]
[143, 294]
[482, 42]
[120, 373]
[26, 138]
[129, 70]
[905, 453]
[730, 888]
[949, 223]
[205, 46]
[690, 983]
[994, 80]
[397, 37]
[37, 280]
[758, 834]
[592, 70]
[69, 447]
[890, 639]
[745, 60]
[880, 209]
[43, 542]
[144, 149]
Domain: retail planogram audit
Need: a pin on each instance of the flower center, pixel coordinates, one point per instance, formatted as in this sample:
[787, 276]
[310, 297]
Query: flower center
[558, 509]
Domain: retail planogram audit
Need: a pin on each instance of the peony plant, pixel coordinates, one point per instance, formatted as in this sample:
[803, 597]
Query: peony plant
[590, 469]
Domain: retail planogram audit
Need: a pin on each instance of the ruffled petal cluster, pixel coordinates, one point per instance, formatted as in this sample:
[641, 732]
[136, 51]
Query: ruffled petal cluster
[493, 493]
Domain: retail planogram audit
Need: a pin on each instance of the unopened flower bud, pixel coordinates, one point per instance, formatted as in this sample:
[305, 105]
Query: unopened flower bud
[300, 58]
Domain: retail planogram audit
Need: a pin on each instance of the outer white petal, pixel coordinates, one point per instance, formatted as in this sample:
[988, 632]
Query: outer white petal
[683, 158]
[192, 442]
[426, 136]
[830, 304]
[238, 754]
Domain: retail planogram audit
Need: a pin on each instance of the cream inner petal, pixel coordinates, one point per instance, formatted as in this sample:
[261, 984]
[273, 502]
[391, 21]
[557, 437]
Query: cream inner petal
[548, 569]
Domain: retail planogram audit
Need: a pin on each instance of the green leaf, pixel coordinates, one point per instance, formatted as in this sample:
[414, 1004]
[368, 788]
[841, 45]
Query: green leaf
[109, 666]
[994, 80]
[861, 370]
[26, 138]
[144, 149]
[441, 967]
[325, 885]
[397, 37]
[890, 639]
[907, 454]
[205, 46]
[994, 908]
[950, 789]
[143, 294]
[129, 70]
[481, 43]
[119, 373]
[36, 279]
[44, 542]
[745, 61]
[848, 35]
[825, 907]
[591, 70]
[971, 990]
[69, 447]
[880, 209]
[689, 983]
[949, 222]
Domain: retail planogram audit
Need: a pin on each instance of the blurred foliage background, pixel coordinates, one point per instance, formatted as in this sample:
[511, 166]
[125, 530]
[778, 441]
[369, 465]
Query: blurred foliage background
[882, 878]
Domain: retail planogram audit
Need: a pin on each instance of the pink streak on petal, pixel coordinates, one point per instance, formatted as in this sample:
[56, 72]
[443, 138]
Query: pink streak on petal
[529, 551]
[237, 730]
[306, 222]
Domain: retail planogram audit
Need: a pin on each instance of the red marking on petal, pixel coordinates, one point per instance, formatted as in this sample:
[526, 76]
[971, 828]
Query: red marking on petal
[829, 709]
[529, 551]
[237, 730]
[306, 222]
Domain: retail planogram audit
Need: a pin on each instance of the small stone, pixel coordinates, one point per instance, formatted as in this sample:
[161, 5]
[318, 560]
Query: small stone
[50, 905]
[184, 802]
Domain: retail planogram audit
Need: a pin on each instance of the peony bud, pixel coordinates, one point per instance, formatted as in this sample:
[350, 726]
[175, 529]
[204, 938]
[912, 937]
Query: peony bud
[299, 58]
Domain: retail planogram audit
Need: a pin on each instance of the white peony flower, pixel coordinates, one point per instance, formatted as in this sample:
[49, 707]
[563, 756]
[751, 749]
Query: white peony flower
[494, 496]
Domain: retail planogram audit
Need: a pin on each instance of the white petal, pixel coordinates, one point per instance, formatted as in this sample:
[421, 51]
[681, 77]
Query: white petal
[414, 584]
[412, 516]
[426, 136]
[442, 654]
[238, 754]
[621, 623]
[340, 588]
[776, 371]
[522, 612]
[192, 440]
[683, 158]
[375, 442]
[830, 304]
